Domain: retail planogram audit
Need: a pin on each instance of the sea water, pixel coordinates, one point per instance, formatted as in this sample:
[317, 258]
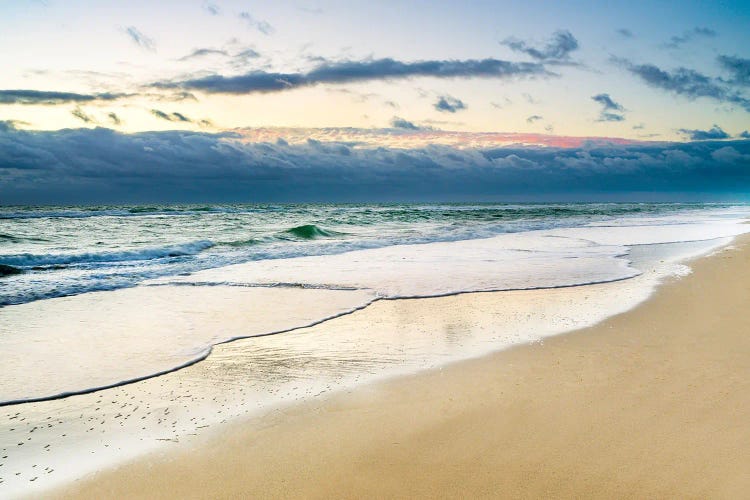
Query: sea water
[110, 295]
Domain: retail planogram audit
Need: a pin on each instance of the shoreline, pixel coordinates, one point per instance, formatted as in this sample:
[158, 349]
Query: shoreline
[446, 423]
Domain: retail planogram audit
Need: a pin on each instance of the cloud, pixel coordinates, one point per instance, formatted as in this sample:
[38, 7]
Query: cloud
[738, 67]
[357, 71]
[211, 8]
[6, 125]
[607, 102]
[257, 24]
[114, 118]
[104, 166]
[501, 104]
[247, 54]
[81, 115]
[419, 138]
[449, 104]
[202, 53]
[398, 122]
[625, 33]
[51, 97]
[558, 48]
[140, 39]
[677, 41]
[311, 10]
[170, 117]
[729, 154]
[686, 82]
[610, 117]
[714, 133]
[534, 118]
[610, 109]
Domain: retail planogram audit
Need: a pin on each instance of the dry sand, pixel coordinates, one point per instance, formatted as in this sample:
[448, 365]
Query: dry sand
[653, 403]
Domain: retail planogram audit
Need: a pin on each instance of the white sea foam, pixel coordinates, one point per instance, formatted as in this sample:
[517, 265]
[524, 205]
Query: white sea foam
[76, 344]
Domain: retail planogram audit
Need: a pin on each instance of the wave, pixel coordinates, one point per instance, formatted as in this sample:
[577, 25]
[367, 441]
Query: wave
[146, 210]
[244, 243]
[9, 238]
[31, 260]
[311, 232]
[115, 212]
[8, 270]
[61, 214]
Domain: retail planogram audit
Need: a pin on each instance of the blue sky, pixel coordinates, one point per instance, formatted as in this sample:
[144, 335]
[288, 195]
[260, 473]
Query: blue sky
[471, 76]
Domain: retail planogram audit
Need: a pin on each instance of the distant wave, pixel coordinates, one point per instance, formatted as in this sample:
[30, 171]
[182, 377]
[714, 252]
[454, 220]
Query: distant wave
[116, 212]
[9, 238]
[30, 260]
[8, 270]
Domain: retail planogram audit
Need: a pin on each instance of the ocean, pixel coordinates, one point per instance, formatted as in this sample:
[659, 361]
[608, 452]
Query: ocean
[72, 250]
[95, 298]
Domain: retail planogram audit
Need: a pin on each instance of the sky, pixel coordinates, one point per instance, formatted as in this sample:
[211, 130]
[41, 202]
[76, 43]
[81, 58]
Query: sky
[319, 100]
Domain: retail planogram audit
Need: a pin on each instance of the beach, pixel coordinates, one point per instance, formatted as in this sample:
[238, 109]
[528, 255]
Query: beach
[653, 403]
[305, 250]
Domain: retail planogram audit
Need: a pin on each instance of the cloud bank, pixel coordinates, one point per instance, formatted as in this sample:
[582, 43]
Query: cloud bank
[104, 166]
[357, 71]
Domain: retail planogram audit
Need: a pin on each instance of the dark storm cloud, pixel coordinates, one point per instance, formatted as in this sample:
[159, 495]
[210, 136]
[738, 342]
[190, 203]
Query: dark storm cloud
[714, 133]
[688, 36]
[101, 165]
[558, 48]
[687, 82]
[45, 97]
[357, 71]
[140, 39]
[449, 104]
[738, 67]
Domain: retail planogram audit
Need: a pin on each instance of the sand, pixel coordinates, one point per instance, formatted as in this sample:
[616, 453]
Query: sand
[651, 403]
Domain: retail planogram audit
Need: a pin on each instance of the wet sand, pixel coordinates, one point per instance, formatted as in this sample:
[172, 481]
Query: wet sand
[651, 403]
